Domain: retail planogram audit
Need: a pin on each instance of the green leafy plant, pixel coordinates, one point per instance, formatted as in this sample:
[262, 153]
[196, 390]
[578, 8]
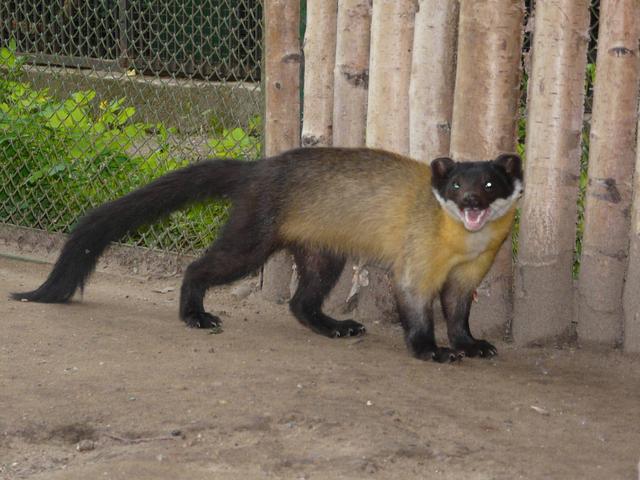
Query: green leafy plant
[62, 156]
[10, 63]
[237, 142]
[582, 191]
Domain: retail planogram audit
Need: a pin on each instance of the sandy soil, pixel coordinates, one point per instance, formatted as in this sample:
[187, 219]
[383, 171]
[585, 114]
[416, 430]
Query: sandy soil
[115, 387]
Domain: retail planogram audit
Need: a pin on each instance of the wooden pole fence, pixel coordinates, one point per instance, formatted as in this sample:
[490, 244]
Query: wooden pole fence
[544, 285]
[612, 144]
[485, 119]
[282, 60]
[428, 78]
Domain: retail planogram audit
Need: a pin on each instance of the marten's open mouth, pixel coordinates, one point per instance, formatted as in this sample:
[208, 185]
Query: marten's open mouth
[475, 218]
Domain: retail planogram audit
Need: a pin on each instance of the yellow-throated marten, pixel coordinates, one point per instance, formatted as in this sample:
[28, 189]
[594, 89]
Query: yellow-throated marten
[436, 228]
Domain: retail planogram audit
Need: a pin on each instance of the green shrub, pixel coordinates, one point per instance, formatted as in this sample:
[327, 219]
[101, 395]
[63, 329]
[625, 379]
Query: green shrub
[60, 157]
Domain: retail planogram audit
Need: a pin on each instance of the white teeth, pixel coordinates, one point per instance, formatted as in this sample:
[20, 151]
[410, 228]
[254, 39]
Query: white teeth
[475, 219]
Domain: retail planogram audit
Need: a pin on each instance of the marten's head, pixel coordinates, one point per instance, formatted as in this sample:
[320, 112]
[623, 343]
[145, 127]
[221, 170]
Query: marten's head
[476, 193]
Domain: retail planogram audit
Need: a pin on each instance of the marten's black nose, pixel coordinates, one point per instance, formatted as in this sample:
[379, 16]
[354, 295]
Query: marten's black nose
[471, 200]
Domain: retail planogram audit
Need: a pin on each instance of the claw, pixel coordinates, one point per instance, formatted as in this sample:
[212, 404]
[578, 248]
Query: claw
[477, 348]
[202, 320]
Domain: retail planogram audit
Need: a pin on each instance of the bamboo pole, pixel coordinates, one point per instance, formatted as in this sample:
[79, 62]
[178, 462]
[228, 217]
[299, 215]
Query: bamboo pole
[611, 164]
[631, 298]
[319, 54]
[387, 124]
[544, 285]
[432, 79]
[485, 116]
[319, 61]
[351, 87]
[282, 60]
[390, 67]
[351, 75]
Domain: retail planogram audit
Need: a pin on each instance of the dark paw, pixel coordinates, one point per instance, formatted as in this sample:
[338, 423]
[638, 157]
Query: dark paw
[477, 348]
[347, 328]
[439, 354]
[203, 320]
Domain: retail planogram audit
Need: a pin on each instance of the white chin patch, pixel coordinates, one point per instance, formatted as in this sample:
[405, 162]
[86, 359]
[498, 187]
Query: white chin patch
[500, 206]
[475, 219]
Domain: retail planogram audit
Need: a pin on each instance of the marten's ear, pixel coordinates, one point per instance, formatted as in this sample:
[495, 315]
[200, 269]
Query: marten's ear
[440, 168]
[511, 163]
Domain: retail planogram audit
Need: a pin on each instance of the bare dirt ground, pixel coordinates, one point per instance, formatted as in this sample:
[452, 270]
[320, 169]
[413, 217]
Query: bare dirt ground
[115, 387]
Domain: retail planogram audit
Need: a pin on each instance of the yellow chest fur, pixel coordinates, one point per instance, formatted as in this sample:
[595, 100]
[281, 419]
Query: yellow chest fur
[463, 245]
[451, 246]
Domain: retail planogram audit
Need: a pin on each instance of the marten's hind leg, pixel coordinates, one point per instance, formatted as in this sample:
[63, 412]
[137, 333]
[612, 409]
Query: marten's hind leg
[242, 247]
[318, 272]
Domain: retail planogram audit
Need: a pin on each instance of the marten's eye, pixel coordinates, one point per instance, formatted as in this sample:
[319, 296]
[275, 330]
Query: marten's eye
[455, 186]
[488, 186]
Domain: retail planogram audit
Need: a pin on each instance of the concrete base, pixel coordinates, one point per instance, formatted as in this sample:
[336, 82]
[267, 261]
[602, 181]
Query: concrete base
[277, 277]
[491, 314]
[375, 302]
[631, 341]
[631, 297]
[543, 302]
[190, 106]
[599, 299]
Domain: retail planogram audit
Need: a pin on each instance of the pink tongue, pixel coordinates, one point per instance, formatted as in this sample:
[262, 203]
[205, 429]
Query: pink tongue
[474, 219]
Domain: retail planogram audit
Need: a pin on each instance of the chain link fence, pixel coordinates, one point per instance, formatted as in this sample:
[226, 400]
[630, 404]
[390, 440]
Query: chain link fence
[98, 97]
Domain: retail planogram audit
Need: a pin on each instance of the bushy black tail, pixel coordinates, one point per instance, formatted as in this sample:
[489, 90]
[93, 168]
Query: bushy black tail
[111, 221]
